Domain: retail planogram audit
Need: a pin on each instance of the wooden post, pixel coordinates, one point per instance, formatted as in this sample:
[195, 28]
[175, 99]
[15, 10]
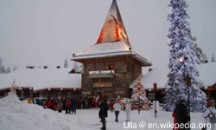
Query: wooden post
[155, 90]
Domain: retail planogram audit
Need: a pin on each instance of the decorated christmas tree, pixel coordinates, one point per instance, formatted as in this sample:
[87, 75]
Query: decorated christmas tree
[138, 97]
[182, 62]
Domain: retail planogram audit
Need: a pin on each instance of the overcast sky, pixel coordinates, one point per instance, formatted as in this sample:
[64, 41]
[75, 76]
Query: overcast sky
[45, 32]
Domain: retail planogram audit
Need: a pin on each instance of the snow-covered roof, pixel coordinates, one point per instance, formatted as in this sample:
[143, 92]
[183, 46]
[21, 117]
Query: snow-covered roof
[41, 78]
[60, 78]
[105, 48]
[159, 75]
[110, 50]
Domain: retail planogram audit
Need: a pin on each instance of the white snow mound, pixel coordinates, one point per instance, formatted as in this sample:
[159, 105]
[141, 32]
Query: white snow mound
[18, 115]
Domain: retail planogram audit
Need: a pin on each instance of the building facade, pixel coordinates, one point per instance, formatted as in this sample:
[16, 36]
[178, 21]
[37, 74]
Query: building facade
[110, 65]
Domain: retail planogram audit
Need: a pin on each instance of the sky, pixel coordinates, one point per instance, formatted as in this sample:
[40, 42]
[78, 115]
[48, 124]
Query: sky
[46, 32]
[12, 111]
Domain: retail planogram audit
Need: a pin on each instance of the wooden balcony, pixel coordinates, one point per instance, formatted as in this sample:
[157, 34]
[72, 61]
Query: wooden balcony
[101, 85]
[102, 74]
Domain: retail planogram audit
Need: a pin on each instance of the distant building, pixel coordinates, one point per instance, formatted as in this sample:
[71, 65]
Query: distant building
[110, 65]
[155, 79]
[41, 82]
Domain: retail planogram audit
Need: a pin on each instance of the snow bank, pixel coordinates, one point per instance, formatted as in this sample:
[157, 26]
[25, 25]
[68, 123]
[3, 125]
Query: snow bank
[18, 115]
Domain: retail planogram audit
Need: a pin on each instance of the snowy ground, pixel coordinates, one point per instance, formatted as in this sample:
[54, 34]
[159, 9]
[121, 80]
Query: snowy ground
[17, 115]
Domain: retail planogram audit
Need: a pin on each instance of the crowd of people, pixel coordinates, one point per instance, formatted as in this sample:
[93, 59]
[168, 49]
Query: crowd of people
[180, 114]
[69, 104]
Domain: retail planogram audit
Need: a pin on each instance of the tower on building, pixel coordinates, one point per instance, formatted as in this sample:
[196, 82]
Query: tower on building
[110, 65]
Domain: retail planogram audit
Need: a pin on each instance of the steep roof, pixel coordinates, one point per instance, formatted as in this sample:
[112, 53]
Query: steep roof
[113, 29]
[112, 41]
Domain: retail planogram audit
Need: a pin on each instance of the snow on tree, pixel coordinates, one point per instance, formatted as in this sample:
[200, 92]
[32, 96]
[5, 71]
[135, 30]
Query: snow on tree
[1, 62]
[182, 61]
[66, 63]
[3, 68]
[8, 69]
[200, 55]
[81, 68]
[15, 68]
[76, 67]
[213, 58]
[138, 97]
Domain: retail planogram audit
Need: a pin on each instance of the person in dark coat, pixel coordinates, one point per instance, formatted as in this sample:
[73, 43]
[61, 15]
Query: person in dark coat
[182, 117]
[74, 105]
[103, 113]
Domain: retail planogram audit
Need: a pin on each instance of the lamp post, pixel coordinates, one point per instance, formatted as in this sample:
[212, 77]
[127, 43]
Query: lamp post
[188, 84]
[187, 80]
[155, 99]
[139, 87]
[139, 104]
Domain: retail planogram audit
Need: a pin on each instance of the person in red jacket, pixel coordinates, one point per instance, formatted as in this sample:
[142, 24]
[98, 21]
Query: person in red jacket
[174, 121]
[48, 103]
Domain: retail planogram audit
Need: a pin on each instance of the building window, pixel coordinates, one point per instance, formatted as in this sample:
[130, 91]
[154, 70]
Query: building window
[99, 66]
[119, 66]
[111, 67]
[130, 67]
[90, 67]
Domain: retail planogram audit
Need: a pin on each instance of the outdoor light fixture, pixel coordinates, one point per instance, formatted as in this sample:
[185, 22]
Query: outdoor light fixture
[181, 59]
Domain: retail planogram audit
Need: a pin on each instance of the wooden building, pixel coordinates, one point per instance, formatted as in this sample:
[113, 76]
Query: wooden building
[155, 79]
[110, 65]
[42, 82]
[22, 92]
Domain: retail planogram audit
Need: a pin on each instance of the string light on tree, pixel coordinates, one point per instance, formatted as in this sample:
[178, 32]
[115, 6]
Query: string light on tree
[182, 61]
[138, 98]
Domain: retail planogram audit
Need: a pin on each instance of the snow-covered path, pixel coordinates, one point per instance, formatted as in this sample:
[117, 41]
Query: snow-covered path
[17, 115]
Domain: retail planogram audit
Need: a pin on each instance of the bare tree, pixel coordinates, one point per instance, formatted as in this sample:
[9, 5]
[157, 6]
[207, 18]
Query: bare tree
[8, 70]
[15, 68]
[213, 58]
[66, 63]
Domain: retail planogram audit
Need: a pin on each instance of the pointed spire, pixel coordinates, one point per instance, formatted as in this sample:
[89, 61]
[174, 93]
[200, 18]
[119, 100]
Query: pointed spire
[113, 29]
